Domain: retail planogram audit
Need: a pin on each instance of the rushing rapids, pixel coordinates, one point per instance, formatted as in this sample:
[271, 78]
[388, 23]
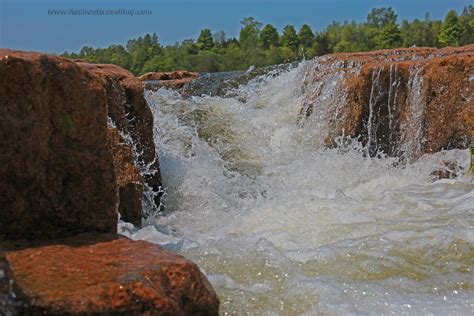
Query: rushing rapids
[282, 224]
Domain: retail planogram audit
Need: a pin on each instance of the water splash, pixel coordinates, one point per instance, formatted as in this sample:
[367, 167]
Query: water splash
[283, 225]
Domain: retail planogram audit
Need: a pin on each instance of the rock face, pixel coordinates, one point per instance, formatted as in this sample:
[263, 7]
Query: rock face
[405, 102]
[175, 79]
[129, 112]
[105, 274]
[56, 171]
[129, 179]
[76, 146]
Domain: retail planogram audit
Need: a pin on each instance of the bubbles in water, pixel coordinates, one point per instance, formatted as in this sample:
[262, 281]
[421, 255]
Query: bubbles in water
[282, 225]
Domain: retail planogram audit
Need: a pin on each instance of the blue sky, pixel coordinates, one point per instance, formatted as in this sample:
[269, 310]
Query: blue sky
[26, 25]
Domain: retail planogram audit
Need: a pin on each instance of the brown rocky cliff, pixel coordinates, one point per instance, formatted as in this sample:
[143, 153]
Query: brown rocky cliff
[404, 102]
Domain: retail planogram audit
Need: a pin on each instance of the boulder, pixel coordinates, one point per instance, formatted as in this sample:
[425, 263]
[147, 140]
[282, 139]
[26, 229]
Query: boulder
[131, 115]
[104, 274]
[57, 174]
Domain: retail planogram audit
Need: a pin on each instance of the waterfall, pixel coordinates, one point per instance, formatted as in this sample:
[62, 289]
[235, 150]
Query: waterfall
[413, 129]
[376, 94]
[283, 224]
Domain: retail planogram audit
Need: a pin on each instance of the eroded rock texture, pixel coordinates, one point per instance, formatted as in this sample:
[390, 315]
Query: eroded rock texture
[131, 115]
[403, 102]
[56, 170]
[105, 274]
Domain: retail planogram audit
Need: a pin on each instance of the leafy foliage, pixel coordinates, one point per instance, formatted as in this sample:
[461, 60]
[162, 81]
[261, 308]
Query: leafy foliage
[205, 40]
[260, 47]
[451, 32]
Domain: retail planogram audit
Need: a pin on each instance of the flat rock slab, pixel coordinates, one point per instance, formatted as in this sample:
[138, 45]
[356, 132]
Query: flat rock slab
[107, 274]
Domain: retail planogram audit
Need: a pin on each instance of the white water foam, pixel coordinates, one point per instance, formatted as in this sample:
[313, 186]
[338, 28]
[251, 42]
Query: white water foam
[282, 225]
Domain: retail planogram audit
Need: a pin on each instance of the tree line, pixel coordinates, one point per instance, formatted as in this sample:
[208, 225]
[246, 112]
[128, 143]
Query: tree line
[261, 45]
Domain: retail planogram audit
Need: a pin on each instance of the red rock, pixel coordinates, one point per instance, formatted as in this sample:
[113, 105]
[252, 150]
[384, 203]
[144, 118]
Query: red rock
[56, 170]
[446, 110]
[92, 274]
[131, 114]
[129, 179]
[57, 109]
[175, 79]
[62, 169]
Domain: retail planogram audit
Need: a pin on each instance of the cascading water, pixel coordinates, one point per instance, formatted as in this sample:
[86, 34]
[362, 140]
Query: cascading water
[414, 129]
[282, 225]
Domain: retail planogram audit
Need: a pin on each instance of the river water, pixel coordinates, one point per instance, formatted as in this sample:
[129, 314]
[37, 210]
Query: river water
[282, 225]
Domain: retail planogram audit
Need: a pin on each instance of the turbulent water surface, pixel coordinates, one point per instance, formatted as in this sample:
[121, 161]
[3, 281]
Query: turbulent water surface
[282, 225]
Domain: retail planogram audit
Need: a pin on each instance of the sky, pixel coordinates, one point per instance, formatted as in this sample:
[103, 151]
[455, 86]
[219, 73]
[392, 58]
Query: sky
[30, 24]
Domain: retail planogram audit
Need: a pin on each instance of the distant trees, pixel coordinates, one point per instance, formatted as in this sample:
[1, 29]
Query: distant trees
[249, 33]
[389, 36]
[466, 20]
[380, 17]
[451, 31]
[306, 36]
[420, 32]
[264, 46]
[219, 38]
[269, 37]
[290, 38]
[205, 40]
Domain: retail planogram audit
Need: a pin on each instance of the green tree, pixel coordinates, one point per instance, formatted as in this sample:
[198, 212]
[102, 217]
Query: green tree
[290, 38]
[451, 32]
[265, 47]
[189, 47]
[420, 32]
[389, 36]
[249, 33]
[306, 36]
[269, 37]
[467, 24]
[205, 41]
[380, 17]
[321, 44]
[219, 38]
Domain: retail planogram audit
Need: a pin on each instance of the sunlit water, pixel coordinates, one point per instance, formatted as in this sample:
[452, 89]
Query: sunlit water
[282, 225]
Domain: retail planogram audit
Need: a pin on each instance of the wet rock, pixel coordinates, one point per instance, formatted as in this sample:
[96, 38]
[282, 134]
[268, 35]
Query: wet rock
[447, 170]
[404, 102]
[56, 170]
[12, 299]
[131, 115]
[105, 274]
[175, 79]
[129, 179]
